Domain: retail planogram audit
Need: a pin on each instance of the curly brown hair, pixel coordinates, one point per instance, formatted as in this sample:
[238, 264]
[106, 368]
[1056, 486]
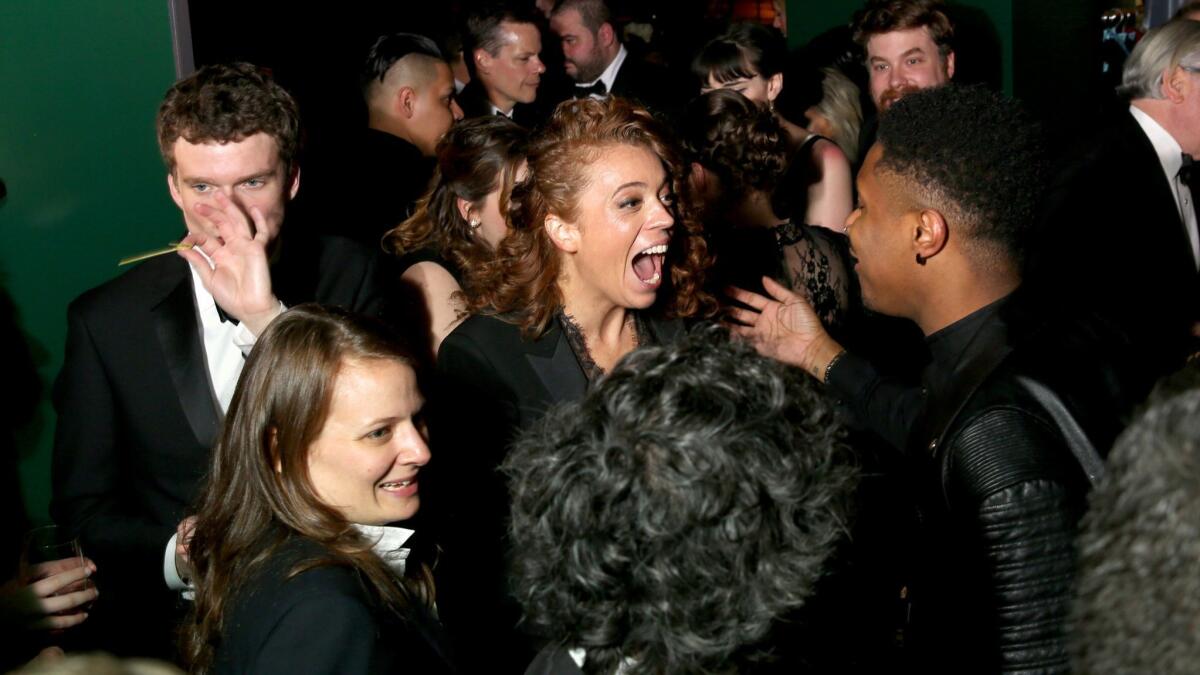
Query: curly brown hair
[739, 141]
[228, 103]
[521, 283]
[886, 16]
[472, 158]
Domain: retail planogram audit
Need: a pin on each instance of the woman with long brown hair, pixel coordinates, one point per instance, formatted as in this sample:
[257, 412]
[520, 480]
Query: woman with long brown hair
[458, 224]
[599, 260]
[293, 567]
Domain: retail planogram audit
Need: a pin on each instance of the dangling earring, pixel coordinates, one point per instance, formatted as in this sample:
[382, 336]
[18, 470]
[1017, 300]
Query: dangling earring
[920, 259]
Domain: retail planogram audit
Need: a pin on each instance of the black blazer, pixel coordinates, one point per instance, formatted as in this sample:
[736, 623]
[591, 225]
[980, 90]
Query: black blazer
[653, 86]
[474, 103]
[1110, 241]
[323, 621]
[137, 417]
[493, 384]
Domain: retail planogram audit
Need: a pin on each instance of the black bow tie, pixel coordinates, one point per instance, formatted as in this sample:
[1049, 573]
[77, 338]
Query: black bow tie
[1187, 171]
[225, 316]
[597, 88]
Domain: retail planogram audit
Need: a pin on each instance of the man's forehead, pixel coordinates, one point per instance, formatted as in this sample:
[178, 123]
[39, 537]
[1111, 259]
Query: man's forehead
[256, 153]
[519, 36]
[568, 21]
[897, 42]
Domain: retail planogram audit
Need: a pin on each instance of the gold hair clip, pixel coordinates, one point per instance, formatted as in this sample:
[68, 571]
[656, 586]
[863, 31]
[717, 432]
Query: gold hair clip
[171, 248]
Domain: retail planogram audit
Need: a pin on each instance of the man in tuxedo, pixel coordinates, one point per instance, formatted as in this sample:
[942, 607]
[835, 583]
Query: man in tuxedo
[503, 48]
[409, 92]
[599, 64]
[153, 357]
[1118, 234]
[907, 45]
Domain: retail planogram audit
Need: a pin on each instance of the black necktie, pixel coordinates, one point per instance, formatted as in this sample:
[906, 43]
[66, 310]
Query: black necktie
[1187, 172]
[596, 88]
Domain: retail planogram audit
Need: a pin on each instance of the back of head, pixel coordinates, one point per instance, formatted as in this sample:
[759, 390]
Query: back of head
[672, 515]
[841, 104]
[885, 16]
[972, 155]
[742, 51]
[1138, 594]
[482, 27]
[227, 103]
[417, 54]
[731, 136]
[1175, 44]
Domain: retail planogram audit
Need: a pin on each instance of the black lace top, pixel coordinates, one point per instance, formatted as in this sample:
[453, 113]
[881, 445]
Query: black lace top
[578, 343]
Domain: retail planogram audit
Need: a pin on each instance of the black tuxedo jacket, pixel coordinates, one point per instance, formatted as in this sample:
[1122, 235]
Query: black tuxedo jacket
[493, 385]
[474, 103]
[323, 621]
[653, 86]
[1111, 241]
[137, 418]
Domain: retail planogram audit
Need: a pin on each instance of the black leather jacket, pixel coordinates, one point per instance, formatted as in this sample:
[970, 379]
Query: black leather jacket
[999, 500]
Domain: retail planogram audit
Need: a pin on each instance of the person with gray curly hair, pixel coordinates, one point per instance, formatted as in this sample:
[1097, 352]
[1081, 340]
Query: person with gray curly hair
[662, 524]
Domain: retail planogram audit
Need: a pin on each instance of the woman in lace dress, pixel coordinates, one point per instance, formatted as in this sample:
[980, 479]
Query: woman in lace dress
[738, 153]
[599, 260]
[748, 58]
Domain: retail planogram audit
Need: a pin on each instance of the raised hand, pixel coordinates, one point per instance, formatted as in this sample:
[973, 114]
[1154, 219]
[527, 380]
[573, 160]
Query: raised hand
[783, 327]
[239, 277]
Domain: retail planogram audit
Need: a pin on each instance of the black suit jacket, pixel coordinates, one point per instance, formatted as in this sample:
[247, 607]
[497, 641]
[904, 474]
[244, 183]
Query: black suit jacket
[653, 86]
[1111, 241]
[322, 621]
[493, 385]
[137, 417]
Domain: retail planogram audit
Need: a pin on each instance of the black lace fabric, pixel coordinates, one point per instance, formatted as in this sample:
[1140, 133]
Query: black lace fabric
[578, 342]
[814, 261]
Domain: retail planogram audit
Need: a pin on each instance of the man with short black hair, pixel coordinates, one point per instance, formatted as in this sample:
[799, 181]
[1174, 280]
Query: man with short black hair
[1001, 438]
[502, 47]
[153, 357]
[599, 64]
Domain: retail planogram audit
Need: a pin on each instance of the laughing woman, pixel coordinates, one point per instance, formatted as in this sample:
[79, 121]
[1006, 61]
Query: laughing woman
[293, 566]
[599, 260]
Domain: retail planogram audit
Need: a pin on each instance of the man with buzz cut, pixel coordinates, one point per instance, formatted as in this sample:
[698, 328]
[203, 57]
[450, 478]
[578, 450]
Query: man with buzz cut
[502, 46]
[408, 89]
[599, 64]
[153, 357]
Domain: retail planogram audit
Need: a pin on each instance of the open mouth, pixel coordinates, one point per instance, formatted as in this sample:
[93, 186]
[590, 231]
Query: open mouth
[648, 265]
[400, 486]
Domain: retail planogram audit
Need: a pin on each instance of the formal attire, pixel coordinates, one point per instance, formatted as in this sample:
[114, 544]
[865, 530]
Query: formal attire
[640, 81]
[996, 488]
[140, 400]
[370, 187]
[494, 383]
[474, 102]
[1114, 239]
[323, 620]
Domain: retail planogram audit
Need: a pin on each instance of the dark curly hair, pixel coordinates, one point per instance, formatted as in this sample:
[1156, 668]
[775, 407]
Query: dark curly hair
[741, 143]
[1137, 597]
[474, 158]
[886, 16]
[672, 515]
[975, 155]
[520, 284]
[225, 103]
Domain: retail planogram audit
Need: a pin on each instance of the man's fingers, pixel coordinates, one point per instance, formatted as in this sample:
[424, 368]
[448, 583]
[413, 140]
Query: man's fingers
[59, 621]
[779, 291]
[260, 224]
[60, 580]
[61, 603]
[742, 316]
[236, 222]
[198, 263]
[747, 298]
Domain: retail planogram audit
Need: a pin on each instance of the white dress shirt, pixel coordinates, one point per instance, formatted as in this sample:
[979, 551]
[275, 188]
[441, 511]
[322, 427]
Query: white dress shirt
[497, 111]
[1170, 156]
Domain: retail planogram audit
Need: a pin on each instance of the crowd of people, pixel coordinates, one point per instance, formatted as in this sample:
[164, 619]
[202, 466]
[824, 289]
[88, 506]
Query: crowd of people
[791, 367]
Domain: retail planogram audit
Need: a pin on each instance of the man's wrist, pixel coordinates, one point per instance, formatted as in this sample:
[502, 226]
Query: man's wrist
[823, 353]
[259, 321]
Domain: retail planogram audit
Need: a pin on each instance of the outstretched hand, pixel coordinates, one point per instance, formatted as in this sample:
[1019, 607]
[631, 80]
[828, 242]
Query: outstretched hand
[239, 277]
[783, 327]
[45, 600]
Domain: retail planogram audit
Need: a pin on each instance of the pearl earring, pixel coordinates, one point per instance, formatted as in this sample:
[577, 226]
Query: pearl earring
[474, 223]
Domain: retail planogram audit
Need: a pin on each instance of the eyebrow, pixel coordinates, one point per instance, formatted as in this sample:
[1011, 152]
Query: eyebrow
[636, 183]
[192, 180]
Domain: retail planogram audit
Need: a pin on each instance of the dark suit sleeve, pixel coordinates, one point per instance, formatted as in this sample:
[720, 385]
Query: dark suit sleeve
[1008, 480]
[87, 466]
[323, 631]
[886, 406]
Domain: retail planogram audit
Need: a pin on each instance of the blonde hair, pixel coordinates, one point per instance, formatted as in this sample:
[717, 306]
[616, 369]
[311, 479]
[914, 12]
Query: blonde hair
[840, 105]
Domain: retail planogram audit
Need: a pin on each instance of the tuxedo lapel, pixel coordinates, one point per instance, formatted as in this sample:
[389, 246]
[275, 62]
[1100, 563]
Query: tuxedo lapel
[175, 323]
[556, 367]
[1157, 197]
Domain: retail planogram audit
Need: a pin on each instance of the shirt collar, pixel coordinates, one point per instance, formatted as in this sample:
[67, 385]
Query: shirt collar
[1170, 155]
[386, 542]
[497, 111]
[610, 73]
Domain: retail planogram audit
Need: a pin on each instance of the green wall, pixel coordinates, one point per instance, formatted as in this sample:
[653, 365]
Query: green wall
[82, 81]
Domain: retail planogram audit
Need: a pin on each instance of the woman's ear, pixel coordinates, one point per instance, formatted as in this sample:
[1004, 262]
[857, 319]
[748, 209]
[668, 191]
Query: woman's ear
[464, 208]
[774, 86]
[564, 235]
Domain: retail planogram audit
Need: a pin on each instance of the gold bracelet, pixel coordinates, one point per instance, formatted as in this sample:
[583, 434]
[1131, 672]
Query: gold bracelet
[836, 357]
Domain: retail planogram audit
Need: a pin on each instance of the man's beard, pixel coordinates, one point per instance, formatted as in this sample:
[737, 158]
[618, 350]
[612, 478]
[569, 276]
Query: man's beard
[588, 71]
[890, 96]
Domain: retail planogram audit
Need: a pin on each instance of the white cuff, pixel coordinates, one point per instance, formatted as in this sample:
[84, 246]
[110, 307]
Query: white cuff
[174, 582]
[244, 340]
